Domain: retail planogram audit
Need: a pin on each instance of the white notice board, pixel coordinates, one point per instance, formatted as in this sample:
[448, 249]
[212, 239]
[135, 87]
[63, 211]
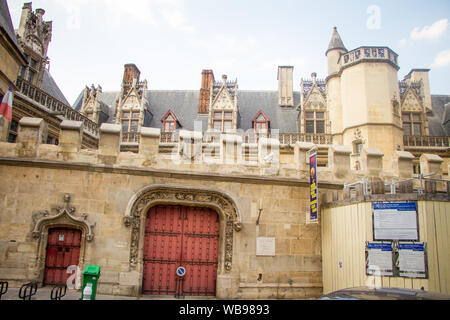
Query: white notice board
[412, 260]
[265, 247]
[379, 259]
[395, 221]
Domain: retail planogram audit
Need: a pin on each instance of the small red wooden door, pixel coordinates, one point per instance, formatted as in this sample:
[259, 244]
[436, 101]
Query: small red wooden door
[63, 250]
[181, 236]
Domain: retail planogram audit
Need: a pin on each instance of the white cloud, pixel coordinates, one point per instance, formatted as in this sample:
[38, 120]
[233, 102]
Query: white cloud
[403, 42]
[138, 10]
[433, 32]
[148, 12]
[442, 59]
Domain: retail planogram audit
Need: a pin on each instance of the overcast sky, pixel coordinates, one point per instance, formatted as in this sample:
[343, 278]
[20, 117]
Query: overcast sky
[171, 41]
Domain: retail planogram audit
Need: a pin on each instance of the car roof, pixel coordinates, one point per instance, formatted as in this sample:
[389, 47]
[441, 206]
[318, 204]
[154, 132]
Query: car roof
[379, 293]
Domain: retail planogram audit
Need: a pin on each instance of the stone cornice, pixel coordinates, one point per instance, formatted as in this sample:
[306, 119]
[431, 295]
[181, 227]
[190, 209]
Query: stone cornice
[164, 173]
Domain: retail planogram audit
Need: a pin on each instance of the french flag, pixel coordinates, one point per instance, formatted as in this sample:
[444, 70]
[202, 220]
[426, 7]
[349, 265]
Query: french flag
[6, 106]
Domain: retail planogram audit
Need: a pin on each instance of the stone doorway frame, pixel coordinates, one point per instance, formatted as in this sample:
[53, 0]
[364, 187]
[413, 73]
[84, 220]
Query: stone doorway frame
[64, 218]
[150, 196]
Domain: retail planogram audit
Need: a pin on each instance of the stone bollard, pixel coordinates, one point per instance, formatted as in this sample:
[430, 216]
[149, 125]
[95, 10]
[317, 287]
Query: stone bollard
[32, 132]
[109, 143]
[431, 164]
[149, 142]
[190, 146]
[230, 149]
[71, 136]
[402, 164]
[339, 161]
[301, 159]
[269, 152]
[372, 162]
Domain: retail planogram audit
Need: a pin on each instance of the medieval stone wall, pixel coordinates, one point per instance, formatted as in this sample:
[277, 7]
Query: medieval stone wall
[106, 194]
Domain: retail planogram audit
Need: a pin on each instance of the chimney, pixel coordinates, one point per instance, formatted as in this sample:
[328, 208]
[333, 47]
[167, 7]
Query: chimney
[40, 13]
[131, 72]
[26, 9]
[207, 80]
[285, 86]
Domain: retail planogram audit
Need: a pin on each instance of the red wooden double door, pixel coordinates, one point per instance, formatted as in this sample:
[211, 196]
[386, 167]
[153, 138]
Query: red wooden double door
[177, 236]
[63, 250]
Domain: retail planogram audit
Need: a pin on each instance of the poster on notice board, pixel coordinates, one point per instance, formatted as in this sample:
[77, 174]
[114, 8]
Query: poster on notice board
[395, 222]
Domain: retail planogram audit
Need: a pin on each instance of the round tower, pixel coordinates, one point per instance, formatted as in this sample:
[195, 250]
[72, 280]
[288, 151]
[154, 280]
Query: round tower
[335, 49]
[334, 52]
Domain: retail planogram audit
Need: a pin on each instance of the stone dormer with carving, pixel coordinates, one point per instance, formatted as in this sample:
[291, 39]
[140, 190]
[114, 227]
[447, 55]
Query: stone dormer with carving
[314, 116]
[223, 114]
[132, 104]
[34, 36]
[413, 110]
[91, 104]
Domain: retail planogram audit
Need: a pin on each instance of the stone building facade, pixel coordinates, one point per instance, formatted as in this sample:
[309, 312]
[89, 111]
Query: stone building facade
[142, 181]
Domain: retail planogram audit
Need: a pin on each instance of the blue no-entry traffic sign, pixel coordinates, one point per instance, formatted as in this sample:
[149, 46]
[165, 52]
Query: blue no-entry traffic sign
[181, 271]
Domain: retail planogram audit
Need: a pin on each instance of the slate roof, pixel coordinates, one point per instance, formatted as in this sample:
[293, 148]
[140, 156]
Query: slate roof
[6, 23]
[439, 117]
[184, 104]
[50, 87]
[336, 41]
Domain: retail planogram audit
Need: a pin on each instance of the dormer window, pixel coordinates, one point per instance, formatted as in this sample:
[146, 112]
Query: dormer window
[261, 123]
[169, 122]
[223, 121]
[412, 124]
[314, 122]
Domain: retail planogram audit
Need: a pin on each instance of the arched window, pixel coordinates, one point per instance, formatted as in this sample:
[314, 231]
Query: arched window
[261, 122]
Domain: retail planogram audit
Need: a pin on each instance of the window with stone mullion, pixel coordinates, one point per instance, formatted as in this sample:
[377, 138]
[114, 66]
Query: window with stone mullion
[130, 123]
[222, 120]
[314, 122]
[412, 124]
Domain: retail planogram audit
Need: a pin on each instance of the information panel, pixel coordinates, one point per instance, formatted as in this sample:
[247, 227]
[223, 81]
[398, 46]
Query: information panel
[265, 247]
[379, 260]
[395, 221]
[412, 260]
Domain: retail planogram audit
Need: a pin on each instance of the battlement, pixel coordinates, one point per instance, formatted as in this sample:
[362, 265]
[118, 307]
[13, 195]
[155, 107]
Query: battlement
[369, 54]
[230, 155]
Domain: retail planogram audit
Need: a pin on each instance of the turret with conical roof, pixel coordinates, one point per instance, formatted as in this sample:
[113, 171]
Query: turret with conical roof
[335, 49]
[336, 42]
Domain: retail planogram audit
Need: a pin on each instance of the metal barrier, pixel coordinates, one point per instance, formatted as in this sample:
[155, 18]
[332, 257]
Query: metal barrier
[58, 292]
[28, 290]
[3, 288]
[426, 185]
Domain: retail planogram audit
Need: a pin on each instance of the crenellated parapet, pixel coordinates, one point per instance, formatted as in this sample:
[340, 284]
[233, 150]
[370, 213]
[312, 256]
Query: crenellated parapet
[227, 155]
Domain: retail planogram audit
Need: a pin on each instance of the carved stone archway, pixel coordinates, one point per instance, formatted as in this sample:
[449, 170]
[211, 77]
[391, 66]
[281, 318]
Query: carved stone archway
[230, 218]
[65, 217]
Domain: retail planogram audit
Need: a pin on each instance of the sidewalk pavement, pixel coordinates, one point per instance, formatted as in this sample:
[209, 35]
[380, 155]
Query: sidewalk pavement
[45, 292]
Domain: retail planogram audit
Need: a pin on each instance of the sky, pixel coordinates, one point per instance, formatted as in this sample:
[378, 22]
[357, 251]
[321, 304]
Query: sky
[172, 41]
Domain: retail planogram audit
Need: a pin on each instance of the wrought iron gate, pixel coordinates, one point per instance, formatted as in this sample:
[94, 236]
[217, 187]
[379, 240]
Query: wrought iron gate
[181, 236]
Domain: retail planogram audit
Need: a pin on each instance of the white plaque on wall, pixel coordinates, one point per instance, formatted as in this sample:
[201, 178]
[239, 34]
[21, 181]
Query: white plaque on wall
[265, 247]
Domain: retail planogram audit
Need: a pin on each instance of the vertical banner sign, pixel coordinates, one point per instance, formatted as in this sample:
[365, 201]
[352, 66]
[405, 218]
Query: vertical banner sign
[314, 205]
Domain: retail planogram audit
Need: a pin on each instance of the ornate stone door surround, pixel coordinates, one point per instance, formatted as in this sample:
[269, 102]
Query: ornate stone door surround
[65, 217]
[143, 200]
